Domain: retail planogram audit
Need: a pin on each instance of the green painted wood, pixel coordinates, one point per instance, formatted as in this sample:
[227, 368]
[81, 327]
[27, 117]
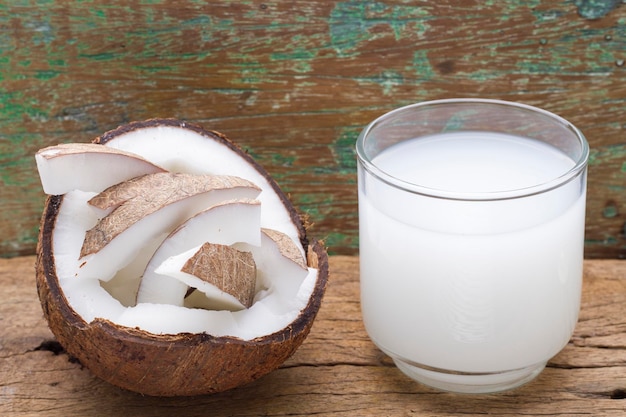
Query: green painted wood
[294, 83]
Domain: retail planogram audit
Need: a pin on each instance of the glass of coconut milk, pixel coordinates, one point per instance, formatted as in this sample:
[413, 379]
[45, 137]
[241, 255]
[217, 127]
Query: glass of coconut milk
[471, 233]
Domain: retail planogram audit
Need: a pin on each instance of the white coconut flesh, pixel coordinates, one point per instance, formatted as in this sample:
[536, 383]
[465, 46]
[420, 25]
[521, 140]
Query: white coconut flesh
[136, 279]
[87, 167]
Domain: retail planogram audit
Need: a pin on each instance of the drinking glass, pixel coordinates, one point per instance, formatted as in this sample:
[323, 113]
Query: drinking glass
[471, 234]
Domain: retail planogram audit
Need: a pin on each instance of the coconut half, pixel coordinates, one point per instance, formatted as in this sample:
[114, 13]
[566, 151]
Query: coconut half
[193, 277]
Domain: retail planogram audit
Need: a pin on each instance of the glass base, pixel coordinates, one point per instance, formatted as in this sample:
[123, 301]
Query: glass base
[469, 383]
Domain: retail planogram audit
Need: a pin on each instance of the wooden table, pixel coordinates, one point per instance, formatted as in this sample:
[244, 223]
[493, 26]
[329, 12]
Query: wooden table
[337, 371]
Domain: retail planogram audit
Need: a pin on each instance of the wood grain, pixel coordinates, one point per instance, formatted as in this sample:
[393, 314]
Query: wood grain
[294, 82]
[337, 371]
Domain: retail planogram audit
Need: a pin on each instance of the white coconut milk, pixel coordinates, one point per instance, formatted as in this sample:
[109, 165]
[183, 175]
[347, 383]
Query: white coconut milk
[471, 286]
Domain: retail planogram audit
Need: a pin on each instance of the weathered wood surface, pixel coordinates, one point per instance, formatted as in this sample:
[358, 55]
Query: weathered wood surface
[337, 371]
[295, 81]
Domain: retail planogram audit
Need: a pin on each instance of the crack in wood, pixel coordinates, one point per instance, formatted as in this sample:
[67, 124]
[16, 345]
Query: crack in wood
[50, 346]
[57, 349]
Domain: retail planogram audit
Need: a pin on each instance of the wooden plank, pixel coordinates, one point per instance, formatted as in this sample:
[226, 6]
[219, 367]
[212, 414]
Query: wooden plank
[337, 371]
[295, 82]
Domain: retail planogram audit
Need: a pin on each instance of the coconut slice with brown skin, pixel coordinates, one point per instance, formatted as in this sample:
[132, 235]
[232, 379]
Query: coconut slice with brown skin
[88, 167]
[192, 350]
[282, 276]
[225, 223]
[230, 271]
[225, 275]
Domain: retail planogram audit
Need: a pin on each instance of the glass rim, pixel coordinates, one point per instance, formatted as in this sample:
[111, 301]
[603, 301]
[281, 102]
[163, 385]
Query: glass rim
[567, 176]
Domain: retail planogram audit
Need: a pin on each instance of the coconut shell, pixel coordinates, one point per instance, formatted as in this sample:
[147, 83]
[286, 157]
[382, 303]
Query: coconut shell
[168, 365]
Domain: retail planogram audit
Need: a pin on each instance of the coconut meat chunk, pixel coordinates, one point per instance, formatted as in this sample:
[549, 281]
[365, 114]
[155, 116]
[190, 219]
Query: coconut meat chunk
[226, 276]
[88, 167]
[226, 223]
[280, 274]
[74, 218]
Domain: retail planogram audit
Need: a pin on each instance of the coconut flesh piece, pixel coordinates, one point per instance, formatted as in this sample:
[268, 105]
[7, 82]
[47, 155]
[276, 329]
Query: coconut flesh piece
[281, 271]
[88, 167]
[225, 276]
[286, 281]
[114, 241]
[225, 223]
[231, 271]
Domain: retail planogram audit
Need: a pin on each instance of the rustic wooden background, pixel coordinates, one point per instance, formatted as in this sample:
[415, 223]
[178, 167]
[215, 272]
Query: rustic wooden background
[295, 81]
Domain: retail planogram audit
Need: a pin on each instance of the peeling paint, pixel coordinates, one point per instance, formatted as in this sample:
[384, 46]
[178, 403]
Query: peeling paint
[42, 31]
[46, 74]
[596, 9]
[344, 152]
[352, 22]
[602, 155]
[298, 59]
[421, 65]
[610, 211]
